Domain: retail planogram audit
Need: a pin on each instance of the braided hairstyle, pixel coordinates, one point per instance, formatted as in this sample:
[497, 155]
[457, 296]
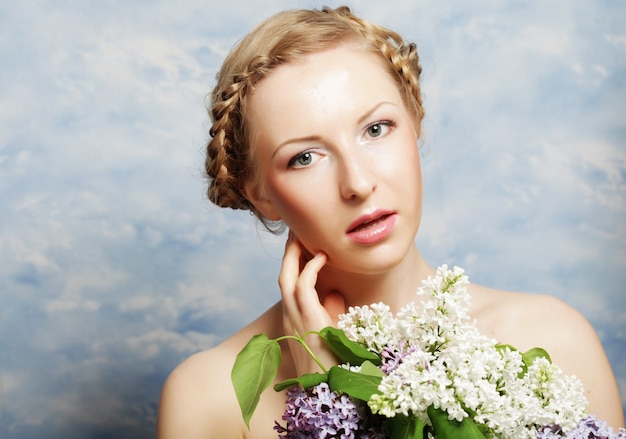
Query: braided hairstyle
[281, 39]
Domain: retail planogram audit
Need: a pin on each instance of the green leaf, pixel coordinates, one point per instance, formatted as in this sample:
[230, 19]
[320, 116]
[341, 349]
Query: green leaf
[500, 347]
[355, 384]
[306, 381]
[531, 355]
[254, 370]
[529, 358]
[345, 349]
[402, 427]
[369, 368]
[445, 428]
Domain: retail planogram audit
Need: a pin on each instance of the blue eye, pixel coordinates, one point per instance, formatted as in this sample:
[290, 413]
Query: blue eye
[379, 128]
[375, 130]
[301, 160]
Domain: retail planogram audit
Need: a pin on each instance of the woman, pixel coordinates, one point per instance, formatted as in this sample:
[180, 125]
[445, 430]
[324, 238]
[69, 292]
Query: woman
[316, 120]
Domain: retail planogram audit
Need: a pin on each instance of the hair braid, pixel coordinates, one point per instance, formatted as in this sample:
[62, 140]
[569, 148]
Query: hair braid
[226, 162]
[223, 157]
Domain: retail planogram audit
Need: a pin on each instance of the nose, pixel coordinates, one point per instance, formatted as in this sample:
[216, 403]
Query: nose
[357, 179]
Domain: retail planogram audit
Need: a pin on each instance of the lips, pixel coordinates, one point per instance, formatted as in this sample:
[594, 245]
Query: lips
[372, 227]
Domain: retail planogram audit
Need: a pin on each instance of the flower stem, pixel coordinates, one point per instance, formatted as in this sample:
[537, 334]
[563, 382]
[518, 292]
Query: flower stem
[300, 339]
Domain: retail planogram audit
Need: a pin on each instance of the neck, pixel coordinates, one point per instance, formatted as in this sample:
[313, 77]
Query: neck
[395, 287]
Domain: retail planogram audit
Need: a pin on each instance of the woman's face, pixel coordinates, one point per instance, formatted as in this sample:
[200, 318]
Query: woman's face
[337, 159]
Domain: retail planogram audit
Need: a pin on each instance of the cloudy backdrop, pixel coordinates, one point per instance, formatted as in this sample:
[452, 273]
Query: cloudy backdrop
[114, 267]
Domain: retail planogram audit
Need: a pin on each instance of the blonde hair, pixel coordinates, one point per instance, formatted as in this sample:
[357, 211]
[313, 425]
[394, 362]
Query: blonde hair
[281, 39]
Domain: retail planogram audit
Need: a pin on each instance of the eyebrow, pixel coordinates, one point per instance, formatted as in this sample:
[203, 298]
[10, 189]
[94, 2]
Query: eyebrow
[315, 138]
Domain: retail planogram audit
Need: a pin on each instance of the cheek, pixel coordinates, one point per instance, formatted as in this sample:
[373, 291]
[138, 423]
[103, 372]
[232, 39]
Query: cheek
[413, 177]
[402, 166]
[303, 207]
[294, 202]
[408, 176]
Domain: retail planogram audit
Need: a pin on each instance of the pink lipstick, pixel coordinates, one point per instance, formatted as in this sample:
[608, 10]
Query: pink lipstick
[373, 227]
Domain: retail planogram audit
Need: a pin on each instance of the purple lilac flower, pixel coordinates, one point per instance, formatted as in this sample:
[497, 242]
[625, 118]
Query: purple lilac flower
[588, 428]
[392, 356]
[320, 413]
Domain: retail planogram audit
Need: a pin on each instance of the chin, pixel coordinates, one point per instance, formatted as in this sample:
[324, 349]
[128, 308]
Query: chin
[372, 261]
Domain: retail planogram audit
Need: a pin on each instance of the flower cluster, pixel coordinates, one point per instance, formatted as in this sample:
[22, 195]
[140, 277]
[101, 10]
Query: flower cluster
[433, 355]
[588, 428]
[320, 413]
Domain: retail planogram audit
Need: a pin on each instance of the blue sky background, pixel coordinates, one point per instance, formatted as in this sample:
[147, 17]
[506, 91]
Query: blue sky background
[114, 267]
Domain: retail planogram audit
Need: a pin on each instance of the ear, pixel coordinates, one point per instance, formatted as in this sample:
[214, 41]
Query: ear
[260, 201]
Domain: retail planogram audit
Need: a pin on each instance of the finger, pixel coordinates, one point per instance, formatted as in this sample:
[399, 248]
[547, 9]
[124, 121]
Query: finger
[306, 294]
[289, 282]
[290, 269]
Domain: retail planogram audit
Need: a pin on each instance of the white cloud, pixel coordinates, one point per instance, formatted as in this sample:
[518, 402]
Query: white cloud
[148, 346]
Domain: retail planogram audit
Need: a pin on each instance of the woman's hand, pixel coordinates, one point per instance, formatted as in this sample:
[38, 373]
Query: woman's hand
[302, 309]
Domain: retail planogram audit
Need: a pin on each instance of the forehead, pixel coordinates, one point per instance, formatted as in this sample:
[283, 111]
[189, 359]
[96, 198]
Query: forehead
[322, 87]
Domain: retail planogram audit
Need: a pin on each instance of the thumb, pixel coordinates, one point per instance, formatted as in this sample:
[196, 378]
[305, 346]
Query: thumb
[335, 304]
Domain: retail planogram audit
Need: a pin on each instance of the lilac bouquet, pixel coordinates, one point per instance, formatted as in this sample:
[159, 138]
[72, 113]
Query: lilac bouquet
[425, 373]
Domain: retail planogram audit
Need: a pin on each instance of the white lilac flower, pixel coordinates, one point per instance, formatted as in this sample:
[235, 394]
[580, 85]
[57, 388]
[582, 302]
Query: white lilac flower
[562, 396]
[372, 326]
[437, 357]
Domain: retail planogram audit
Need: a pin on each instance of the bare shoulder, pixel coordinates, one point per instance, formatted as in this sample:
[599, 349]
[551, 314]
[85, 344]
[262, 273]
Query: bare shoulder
[533, 320]
[195, 395]
[526, 319]
[198, 400]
